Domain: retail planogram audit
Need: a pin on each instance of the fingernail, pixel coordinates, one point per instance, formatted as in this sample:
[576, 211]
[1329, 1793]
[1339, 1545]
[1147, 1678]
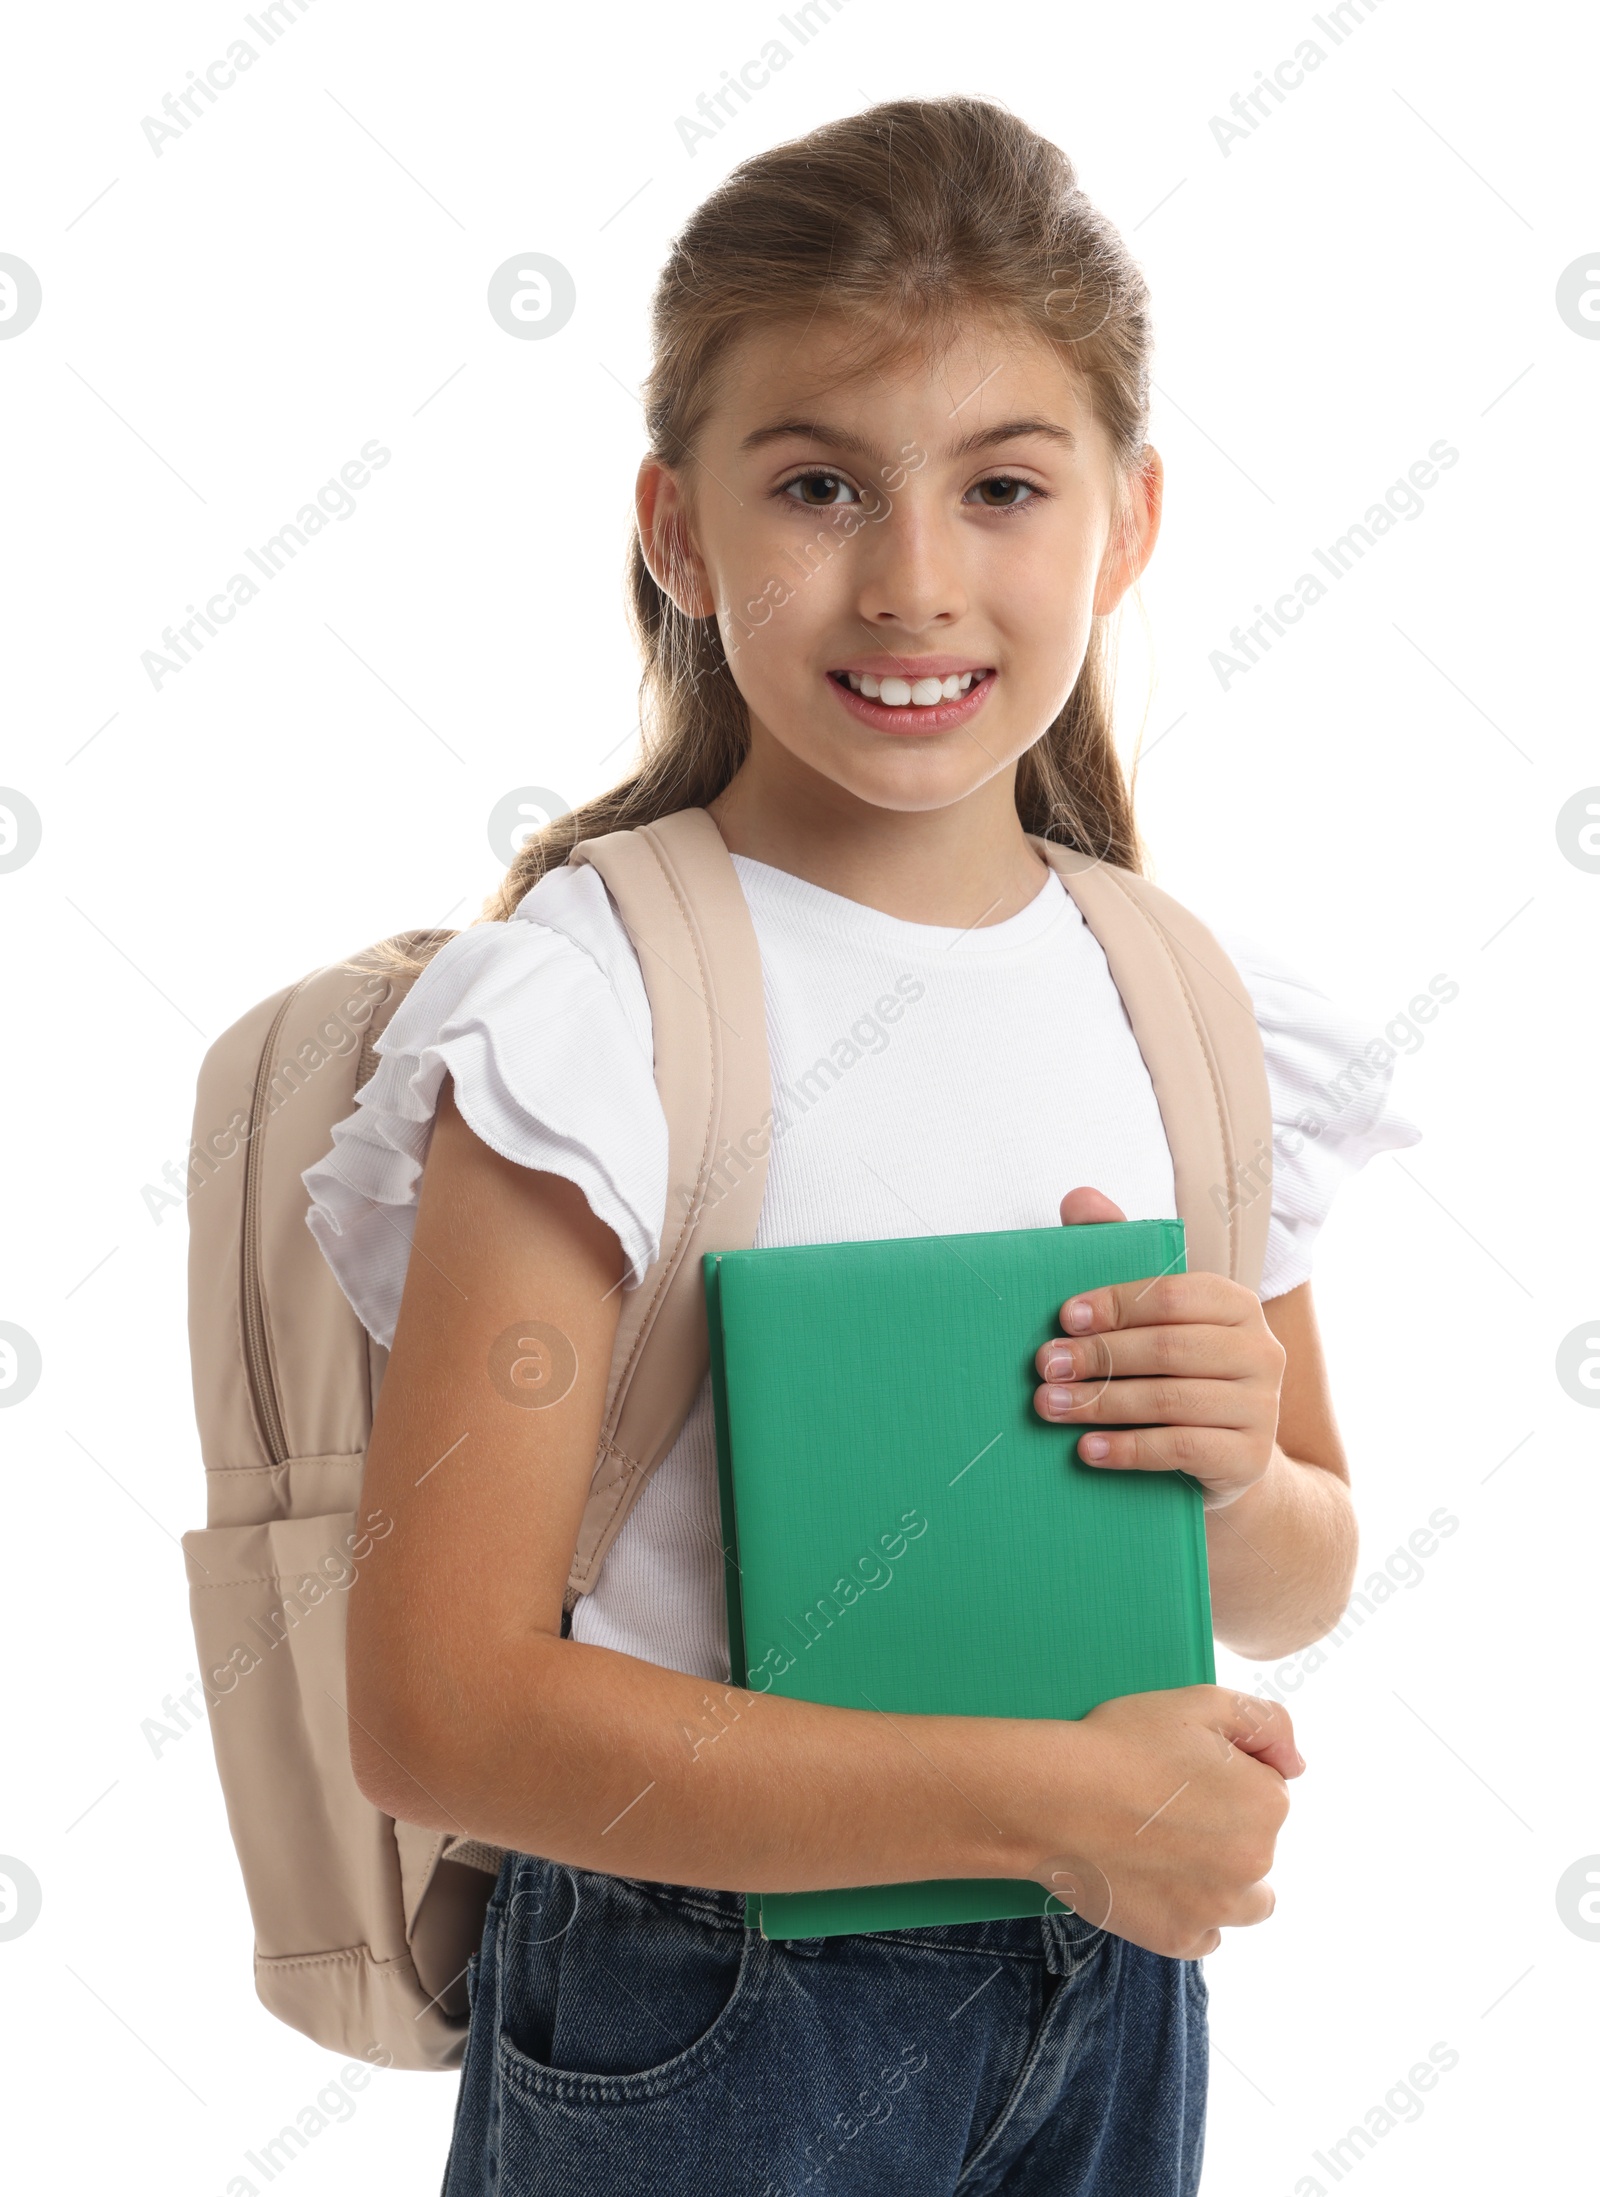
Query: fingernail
[1058, 1366]
[1094, 1445]
[1059, 1401]
[1080, 1315]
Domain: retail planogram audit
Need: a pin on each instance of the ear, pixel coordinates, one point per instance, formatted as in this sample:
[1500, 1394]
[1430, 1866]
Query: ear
[1133, 534]
[667, 539]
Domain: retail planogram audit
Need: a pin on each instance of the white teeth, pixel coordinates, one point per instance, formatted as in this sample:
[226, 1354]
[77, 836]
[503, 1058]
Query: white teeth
[921, 693]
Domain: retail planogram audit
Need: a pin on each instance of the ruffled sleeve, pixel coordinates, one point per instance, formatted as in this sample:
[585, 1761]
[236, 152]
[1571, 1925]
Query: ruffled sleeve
[544, 1026]
[1329, 1077]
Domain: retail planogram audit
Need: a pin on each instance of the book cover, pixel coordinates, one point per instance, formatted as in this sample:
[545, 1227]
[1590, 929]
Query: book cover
[905, 1536]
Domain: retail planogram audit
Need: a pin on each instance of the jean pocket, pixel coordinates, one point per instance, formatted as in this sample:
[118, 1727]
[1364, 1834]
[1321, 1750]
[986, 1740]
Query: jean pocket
[611, 1992]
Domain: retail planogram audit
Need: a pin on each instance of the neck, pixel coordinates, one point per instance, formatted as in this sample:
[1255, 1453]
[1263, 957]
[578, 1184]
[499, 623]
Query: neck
[966, 865]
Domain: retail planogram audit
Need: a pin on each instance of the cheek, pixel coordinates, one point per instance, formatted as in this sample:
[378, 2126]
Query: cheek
[1047, 589]
[785, 601]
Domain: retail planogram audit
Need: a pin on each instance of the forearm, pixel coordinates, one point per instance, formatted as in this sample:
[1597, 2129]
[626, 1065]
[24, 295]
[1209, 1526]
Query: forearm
[1282, 1558]
[605, 1761]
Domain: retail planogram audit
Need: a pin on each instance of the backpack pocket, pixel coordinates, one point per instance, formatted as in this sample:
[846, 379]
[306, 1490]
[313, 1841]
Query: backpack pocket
[340, 1894]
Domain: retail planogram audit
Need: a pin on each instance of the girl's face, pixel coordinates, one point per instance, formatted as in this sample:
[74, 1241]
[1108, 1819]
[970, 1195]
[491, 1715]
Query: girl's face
[903, 564]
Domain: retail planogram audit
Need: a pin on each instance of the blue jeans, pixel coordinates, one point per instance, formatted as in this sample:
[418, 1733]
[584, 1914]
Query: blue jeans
[631, 2039]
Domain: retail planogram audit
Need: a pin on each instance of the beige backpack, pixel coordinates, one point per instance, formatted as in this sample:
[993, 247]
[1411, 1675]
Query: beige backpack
[363, 1925]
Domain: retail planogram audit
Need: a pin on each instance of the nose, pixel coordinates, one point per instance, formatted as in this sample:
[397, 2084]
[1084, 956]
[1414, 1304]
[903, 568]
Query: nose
[911, 575]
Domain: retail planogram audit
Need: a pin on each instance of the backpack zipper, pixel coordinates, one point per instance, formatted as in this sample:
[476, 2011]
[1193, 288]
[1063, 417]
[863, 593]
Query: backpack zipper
[252, 1293]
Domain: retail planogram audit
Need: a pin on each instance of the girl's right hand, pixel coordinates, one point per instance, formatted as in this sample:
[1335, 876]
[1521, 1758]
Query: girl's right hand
[1175, 1803]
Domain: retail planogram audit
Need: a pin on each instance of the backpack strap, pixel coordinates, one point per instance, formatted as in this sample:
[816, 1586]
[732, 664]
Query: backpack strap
[682, 905]
[1195, 1024]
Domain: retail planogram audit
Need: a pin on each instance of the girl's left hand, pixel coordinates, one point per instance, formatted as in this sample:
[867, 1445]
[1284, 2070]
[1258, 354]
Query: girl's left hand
[1188, 1356]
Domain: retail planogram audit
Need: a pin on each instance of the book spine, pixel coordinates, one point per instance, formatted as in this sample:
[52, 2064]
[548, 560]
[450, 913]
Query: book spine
[738, 1671]
[1205, 1650]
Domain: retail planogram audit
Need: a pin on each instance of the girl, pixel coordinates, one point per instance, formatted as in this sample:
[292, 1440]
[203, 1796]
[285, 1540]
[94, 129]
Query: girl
[897, 486]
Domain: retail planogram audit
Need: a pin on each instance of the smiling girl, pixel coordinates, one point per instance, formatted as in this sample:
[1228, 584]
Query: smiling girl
[897, 486]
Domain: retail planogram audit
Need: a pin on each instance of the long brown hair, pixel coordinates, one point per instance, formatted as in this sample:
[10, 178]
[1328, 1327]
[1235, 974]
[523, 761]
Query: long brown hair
[907, 218]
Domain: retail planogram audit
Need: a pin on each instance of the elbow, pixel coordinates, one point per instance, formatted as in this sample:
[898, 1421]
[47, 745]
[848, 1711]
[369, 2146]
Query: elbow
[394, 1769]
[395, 1722]
[1287, 1632]
[1300, 1621]
[433, 1720]
[1269, 1644]
[394, 1757]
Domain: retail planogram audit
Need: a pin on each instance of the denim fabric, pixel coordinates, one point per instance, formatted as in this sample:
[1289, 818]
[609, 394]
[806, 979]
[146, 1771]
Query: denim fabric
[629, 2039]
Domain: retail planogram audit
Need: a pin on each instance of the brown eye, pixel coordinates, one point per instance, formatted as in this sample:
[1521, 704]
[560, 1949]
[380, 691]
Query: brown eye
[827, 482]
[1008, 499]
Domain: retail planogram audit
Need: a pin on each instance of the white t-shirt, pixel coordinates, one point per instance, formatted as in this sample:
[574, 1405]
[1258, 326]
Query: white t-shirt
[1008, 1076]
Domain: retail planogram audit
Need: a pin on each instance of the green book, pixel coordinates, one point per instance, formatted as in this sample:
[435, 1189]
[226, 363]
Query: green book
[903, 1533]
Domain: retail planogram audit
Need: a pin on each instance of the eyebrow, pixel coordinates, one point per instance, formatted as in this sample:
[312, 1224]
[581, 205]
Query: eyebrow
[858, 446]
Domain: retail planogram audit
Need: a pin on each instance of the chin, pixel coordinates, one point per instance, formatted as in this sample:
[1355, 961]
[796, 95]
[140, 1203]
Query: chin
[913, 785]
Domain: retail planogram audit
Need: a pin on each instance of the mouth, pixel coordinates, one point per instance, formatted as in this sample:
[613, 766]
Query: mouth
[914, 700]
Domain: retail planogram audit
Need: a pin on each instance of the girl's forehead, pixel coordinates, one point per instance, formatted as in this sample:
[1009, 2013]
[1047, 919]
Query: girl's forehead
[822, 368]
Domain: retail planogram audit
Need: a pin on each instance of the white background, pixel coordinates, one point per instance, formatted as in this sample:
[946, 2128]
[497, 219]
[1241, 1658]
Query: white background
[1373, 269]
